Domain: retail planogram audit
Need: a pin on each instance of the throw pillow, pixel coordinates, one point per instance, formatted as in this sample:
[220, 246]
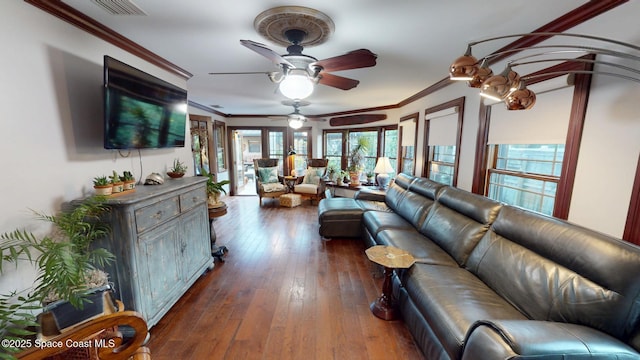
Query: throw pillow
[313, 175]
[268, 175]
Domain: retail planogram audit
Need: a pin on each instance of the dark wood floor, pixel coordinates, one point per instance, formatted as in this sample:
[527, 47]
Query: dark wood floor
[283, 293]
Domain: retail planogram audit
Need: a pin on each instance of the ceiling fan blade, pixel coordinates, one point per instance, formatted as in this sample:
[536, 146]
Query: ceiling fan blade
[241, 73]
[353, 60]
[356, 119]
[266, 52]
[336, 81]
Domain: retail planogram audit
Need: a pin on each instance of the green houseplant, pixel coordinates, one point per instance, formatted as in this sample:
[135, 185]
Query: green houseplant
[66, 262]
[177, 170]
[214, 189]
[129, 180]
[118, 185]
[332, 171]
[356, 160]
[102, 185]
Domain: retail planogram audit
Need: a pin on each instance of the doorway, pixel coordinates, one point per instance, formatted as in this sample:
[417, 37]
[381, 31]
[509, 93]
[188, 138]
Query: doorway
[249, 144]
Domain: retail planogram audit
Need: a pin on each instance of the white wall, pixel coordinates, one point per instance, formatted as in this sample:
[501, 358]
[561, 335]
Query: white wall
[51, 122]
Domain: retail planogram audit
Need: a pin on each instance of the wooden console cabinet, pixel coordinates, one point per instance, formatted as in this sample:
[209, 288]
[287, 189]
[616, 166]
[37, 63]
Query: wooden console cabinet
[160, 237]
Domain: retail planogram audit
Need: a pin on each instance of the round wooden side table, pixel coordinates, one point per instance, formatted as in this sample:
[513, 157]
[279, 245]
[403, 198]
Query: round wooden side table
[391, 258]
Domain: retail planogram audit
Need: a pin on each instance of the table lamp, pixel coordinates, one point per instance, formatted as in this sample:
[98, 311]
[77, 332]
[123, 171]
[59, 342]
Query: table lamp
[291, 161]
[383, 168]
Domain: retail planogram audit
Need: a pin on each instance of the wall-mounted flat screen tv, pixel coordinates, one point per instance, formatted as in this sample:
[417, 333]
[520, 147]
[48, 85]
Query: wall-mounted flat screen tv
[140, 110]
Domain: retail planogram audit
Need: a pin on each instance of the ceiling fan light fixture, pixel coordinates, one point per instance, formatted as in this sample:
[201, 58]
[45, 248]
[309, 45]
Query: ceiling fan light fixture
[296, 86]
[295, 122]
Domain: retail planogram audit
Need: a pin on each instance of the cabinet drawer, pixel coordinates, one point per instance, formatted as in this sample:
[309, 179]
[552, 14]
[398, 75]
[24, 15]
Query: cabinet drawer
[192, 198]
[150, 216]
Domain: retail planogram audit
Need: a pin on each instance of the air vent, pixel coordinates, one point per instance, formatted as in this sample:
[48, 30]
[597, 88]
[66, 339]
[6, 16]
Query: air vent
[120, 7]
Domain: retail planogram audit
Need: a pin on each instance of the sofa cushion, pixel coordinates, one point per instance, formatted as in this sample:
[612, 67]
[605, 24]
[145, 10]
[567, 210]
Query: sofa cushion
[423, 250]
[268, 175]
[313, 174]
[306, 189]
[458, 220]
[397, 190]
[427, 188]
[376, 221]
[552, 270]
[451, 299]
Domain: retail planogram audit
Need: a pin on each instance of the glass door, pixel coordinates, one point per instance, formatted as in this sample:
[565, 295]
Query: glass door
[250, 144]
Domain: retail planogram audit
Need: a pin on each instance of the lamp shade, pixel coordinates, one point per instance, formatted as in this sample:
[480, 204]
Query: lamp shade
[521, 99]
[481, 74]
[296, 86]
[463, 68]
[383, 166]
[498, 87]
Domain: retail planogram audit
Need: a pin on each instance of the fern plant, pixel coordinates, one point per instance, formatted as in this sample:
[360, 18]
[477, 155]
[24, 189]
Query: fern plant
[65, 259]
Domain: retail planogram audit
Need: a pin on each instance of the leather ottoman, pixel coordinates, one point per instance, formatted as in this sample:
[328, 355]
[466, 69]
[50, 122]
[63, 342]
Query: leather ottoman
[340, 217]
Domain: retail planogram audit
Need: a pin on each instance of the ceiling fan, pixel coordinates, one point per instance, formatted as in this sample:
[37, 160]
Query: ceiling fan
[295, 119]
[298, 72]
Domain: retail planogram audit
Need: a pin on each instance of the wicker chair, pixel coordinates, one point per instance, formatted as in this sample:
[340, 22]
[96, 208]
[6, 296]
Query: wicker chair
[101, 330]
[272, 189]
[313, 187]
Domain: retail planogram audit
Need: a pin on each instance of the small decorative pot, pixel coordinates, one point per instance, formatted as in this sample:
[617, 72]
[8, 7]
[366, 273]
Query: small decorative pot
[175, 175]
[118, 187]
[129, 185]
[103, 189]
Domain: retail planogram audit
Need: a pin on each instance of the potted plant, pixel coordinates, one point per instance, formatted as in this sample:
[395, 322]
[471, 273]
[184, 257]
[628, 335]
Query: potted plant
[342, 174]
[214, 189]
[370, 175]
[332, 171]
[118, 185]
[356, 160]
[67, 263]
[102, 185]
[129, 180]
[178, 170]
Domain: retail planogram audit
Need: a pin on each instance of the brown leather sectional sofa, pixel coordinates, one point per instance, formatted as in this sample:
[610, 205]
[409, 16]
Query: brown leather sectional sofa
[493, 281]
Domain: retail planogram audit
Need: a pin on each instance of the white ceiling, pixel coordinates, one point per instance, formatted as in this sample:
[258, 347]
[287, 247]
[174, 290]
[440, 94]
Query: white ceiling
[415, 41]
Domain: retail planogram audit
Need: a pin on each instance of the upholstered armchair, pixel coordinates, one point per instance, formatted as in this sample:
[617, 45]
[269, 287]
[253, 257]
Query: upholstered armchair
[312, 184]
[268, 183]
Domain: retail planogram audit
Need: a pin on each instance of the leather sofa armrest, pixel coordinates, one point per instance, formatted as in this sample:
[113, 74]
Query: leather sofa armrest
[530, 339]
[369, 195]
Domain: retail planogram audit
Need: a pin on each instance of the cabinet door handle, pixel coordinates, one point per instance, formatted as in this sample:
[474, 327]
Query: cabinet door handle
[158, 215]
[194, 199]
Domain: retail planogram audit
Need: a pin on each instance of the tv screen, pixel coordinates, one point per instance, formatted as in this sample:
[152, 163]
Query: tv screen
[140, 110]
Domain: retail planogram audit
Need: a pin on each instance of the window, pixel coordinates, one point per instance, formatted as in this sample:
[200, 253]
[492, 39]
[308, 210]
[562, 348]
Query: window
[333, 148]
[526, 175]
[383, 142]
[442, 164]
[276, 148]
[219, 146]
[390, 146]
[408, 126]
[301, 146]
[442, 135]
[371, 155]
[199, 144]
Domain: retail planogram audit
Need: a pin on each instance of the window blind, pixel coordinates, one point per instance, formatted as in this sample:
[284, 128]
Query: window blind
[443, 127]
[545, 123]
